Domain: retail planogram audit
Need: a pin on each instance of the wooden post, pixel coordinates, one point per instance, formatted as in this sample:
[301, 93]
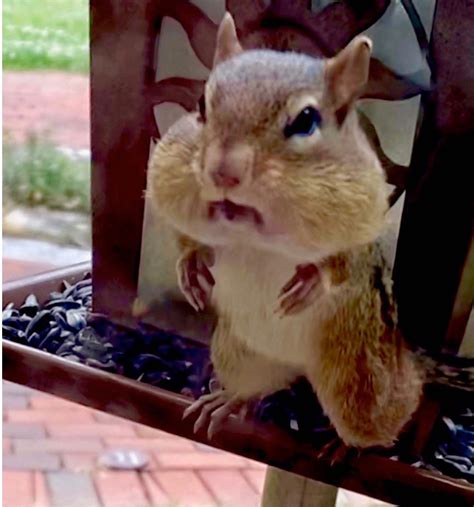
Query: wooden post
[283, 489]
[432, 270]
[122, 45]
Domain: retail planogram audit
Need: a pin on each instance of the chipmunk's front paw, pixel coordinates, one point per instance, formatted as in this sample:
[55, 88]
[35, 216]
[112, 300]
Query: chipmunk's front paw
[214, 409]
[194, 277]
[302, 290]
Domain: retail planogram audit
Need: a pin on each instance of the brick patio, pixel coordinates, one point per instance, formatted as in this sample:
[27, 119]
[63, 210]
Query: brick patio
[51, 451]
[13, 269]
[55, 104]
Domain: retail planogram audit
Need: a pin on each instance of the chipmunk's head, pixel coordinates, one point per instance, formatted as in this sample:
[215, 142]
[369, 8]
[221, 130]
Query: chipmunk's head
[280, 159]
[281, 147]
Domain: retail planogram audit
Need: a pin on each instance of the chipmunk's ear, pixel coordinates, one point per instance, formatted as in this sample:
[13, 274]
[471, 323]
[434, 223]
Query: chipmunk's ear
[227, 42]
[346, 75]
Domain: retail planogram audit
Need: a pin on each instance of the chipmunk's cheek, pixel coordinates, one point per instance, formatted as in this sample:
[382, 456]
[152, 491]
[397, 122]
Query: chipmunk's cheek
[270, 195]
[272, 177]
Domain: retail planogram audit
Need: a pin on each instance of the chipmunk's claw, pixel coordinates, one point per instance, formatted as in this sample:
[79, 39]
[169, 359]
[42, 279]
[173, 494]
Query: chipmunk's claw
[195, 279]
[336, 452]
[214, 409]
[301, 290]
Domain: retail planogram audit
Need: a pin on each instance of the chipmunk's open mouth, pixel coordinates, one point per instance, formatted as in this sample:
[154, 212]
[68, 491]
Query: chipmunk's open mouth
[233, 212]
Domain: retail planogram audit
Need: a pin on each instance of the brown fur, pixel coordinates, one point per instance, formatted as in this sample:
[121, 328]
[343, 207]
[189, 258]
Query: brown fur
[363, 362]
[323, 201]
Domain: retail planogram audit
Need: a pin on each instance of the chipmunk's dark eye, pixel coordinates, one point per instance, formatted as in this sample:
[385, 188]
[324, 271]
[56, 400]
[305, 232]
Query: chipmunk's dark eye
[307, 121]
[202, 108]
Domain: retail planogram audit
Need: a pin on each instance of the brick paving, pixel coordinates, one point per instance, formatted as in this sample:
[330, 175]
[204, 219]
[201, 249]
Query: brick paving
[54, 104]
[12, 269]
[51, 457]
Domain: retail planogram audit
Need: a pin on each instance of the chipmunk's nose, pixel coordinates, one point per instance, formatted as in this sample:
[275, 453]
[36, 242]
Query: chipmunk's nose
[228, 165]
[223, 178]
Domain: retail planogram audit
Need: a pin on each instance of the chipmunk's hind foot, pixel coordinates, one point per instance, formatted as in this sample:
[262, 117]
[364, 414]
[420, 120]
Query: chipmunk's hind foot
[214, 409]
[337, 453]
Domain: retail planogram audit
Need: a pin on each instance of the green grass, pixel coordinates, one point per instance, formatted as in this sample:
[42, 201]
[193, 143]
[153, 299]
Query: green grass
[46, 34]
[36, 173]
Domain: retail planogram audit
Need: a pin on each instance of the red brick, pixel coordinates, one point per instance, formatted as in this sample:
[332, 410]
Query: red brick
[120, 489]
[185, 488]
[230, 488]
[56, 445]
[154, 491]
[18, 489]
[79, 462]
[91, 429]
[205, 448]
[180, 460]
[12, 388]
[36, 461]
[14, 401]
[41, 491]
[69, 489]
[256, 465]
[13, 269]
[6, 445]
[53, 102]
[23, 430]
[64, 416]
[103, 417]
[51, 402]
[256, 478]
[147, 432]
[176, 444]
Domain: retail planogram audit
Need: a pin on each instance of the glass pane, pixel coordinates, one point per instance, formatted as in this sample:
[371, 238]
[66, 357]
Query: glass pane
[394, 122]
[158, 288]
[46, 148]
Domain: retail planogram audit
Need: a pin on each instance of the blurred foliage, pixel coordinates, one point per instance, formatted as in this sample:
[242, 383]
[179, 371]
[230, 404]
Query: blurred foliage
[36, 173]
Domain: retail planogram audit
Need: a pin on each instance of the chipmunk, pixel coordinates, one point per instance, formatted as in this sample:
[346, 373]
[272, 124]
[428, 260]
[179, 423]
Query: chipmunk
[281, 201]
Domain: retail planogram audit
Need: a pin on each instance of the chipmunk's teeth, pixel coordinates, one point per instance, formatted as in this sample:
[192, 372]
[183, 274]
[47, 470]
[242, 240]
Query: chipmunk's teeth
[211, 211]
[234, 212]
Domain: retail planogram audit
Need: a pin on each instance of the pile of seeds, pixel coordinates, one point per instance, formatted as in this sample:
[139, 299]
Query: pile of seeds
[66, 327]
[48, 327]
[453, 445]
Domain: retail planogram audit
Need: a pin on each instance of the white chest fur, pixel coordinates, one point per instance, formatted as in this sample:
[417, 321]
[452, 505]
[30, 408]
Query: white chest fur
[248, 282]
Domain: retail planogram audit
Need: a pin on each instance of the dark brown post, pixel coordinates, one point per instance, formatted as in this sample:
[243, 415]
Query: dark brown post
[122, 43]
[434, 270]
[431, 271]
